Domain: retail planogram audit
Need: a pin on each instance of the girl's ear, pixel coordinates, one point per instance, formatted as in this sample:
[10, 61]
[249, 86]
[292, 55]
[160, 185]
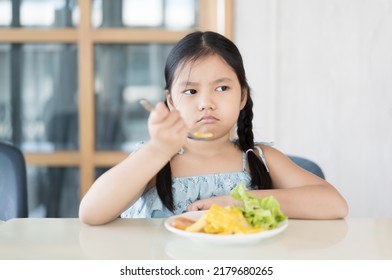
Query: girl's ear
[244, 98]
[169, 100]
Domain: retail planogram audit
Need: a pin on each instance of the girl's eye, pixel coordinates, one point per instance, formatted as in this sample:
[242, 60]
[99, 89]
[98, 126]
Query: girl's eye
[222, 88]
[189, 91]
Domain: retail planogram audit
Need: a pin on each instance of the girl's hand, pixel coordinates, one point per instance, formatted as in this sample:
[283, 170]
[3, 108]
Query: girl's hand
[205, 204]
[167, 129]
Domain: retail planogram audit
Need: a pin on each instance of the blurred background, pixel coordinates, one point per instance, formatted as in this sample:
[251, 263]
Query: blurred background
[72, 72]
[321, 73]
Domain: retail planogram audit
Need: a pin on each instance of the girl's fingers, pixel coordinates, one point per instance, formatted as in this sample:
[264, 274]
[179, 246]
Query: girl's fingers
[159, 113]
[167, 126]
[167, 119]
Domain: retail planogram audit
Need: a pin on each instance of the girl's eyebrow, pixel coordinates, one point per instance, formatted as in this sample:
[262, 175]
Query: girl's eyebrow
[187, 83]
[221, 80]
[217, 81]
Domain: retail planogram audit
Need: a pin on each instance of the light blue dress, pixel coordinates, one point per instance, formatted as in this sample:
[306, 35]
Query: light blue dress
[187, 190]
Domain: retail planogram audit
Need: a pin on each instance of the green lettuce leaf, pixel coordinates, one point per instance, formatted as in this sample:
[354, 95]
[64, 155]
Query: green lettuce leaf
[259, 212]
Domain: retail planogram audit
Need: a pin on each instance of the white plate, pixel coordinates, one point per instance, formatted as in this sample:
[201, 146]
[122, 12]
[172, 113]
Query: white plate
[221, 239]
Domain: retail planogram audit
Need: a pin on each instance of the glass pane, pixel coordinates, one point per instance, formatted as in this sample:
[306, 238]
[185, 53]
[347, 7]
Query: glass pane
[5, 96]
[147, 13]
[6, 13]
[53, 192]
[38, 96]
[169, 14]
[39, 13]
[181, 14]
[124, 75]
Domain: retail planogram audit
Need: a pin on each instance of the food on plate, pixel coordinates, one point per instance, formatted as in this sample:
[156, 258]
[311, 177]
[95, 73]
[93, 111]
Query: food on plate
[255, 215]
[182, 223]
[259, 212]
[223, 220]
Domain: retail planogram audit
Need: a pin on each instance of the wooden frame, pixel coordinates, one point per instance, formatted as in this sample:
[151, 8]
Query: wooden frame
[85, 36]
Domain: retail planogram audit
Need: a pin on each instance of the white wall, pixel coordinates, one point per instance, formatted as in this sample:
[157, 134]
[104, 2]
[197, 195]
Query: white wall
[321, 73]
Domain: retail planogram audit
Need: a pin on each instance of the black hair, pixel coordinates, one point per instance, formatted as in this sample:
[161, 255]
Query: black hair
[190, 48]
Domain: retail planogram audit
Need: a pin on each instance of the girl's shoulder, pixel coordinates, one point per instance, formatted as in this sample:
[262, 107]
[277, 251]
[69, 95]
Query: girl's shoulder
[262, 148]
[266, 149]
[263, 145]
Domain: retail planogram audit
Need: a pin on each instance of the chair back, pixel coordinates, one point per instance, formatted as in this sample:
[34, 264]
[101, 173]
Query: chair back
[308, 165]
[13, 183]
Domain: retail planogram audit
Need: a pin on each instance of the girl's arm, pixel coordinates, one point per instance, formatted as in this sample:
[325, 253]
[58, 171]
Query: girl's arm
[118, 188]
[300, 193]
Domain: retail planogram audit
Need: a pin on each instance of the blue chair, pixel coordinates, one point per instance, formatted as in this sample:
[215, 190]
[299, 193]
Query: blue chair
[13, 183]
[308, 165]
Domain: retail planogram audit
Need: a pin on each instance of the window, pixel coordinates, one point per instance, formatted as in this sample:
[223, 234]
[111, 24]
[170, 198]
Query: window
[71, 75]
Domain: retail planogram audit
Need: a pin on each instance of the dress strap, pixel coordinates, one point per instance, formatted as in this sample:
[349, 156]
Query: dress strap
[261, 154]
[244, 162]
[259, 150]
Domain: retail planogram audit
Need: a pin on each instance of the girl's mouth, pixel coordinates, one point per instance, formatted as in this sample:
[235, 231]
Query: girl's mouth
[207, 119]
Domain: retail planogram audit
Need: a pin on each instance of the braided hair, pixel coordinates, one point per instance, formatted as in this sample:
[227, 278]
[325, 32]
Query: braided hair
[189, 49]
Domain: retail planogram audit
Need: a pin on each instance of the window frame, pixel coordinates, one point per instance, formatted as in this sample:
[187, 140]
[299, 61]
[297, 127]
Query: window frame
[215, 15]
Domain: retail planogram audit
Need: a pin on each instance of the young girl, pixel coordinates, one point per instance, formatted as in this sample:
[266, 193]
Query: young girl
[207, 91]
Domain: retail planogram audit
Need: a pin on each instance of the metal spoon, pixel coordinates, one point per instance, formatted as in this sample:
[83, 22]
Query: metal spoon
[195, 135]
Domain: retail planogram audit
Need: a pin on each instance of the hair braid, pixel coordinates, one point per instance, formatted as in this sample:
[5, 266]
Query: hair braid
[164, 181]
[258, 171]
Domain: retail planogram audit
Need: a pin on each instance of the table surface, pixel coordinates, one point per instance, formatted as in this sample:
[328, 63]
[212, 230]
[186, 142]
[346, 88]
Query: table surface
[143, 239]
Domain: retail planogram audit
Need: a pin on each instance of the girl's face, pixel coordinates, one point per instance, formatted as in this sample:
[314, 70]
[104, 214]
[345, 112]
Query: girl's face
[208, 95]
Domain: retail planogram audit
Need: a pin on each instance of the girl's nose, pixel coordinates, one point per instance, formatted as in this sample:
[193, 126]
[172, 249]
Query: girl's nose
[206, 102]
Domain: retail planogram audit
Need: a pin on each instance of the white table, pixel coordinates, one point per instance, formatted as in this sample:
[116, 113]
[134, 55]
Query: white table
[144, 239]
